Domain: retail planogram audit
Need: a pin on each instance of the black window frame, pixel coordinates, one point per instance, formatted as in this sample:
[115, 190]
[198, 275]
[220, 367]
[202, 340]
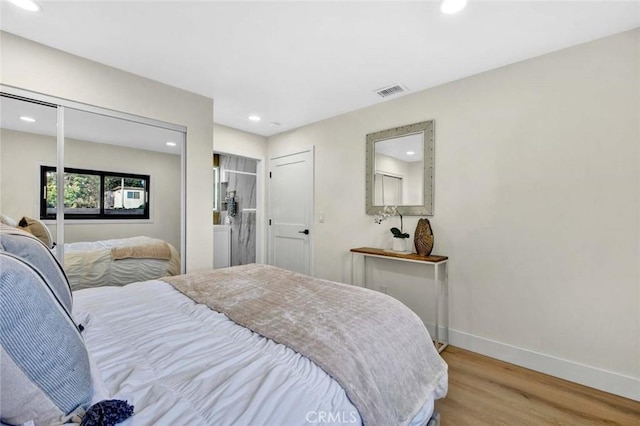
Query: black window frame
[102, 215]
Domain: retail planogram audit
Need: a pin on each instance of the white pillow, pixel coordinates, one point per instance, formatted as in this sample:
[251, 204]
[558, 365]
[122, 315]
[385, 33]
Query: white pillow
[8, 221]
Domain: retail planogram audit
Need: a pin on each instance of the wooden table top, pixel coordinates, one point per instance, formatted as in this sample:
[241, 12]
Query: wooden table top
[399, 254]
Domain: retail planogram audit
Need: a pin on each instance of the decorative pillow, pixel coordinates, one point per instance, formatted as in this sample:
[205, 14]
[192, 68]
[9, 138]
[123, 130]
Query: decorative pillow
[31, 250]
[8, 221]
[38, 229]
[44, 363]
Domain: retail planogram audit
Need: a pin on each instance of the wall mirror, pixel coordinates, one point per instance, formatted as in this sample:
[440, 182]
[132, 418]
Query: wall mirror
[400, 169]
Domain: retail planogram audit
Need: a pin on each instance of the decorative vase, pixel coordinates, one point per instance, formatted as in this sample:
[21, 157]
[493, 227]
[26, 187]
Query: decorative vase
[423, 238]
[399, 244]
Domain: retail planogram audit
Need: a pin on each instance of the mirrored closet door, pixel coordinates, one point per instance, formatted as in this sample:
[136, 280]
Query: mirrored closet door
[123, 175]
[28, 138]
[122, 179]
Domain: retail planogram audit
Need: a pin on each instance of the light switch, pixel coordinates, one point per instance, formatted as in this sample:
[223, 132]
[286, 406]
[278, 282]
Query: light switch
[321, 218]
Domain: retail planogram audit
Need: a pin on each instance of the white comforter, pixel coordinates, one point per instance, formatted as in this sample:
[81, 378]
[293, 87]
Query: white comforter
[179, 363]
[89, 264]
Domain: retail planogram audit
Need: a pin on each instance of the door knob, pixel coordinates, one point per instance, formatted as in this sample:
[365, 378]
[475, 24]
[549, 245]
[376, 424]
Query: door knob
[306, 232]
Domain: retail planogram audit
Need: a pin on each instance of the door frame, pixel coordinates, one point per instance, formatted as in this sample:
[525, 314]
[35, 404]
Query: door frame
[312, 227]
[261, 205]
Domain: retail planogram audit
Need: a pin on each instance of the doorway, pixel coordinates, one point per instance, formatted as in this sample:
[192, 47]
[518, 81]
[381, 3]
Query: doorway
[235, 210]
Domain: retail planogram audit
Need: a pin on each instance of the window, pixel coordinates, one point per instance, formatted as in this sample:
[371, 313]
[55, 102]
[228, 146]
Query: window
[94, 194]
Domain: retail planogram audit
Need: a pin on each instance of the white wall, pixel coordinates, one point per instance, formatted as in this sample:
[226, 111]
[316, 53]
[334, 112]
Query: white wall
[22, 154]
[227, 140]
[536, 203]
[39, 68]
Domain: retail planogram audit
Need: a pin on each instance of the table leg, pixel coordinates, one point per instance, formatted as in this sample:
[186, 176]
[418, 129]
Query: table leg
[446, 300]
[352, 268]
[436, 268]
[445, 290]
[365, 272]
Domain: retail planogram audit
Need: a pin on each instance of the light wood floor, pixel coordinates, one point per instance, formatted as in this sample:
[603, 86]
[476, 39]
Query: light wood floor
[485, 391]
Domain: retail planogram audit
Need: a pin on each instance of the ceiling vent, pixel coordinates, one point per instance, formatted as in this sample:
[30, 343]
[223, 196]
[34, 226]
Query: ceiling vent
[392, 90]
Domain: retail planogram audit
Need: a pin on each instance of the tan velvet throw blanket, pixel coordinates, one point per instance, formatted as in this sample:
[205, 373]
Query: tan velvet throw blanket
[159, 250]
[375, 347]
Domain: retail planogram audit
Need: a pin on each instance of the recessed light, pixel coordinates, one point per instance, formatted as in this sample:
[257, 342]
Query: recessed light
[410, 153]
[254, 118]
[29, 5]
[452, 6]
[171, 144]
[274, 124]
[28, 119]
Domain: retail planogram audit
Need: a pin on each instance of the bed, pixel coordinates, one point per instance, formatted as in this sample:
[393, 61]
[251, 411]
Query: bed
[111, 262]
[248, 345]
[119, 261]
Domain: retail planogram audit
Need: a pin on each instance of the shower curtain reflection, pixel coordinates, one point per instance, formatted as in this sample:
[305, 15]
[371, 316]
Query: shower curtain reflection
[238, 206]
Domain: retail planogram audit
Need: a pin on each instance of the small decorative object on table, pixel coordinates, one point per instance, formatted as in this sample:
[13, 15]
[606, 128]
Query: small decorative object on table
[423, 238]
[399, 237]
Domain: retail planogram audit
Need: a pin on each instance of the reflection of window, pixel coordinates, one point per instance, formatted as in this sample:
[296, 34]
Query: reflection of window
[94, 194]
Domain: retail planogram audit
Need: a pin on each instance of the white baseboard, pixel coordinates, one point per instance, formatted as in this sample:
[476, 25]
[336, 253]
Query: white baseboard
[617, 384]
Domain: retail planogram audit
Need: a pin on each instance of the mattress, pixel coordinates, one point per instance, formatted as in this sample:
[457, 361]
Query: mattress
[178, 362]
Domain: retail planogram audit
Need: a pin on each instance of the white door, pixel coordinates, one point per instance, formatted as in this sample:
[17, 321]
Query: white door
[291, 211]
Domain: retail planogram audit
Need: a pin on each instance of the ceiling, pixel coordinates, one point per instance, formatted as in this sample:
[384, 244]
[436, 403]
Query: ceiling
[87, 126]
[404, 148]
[298, 62]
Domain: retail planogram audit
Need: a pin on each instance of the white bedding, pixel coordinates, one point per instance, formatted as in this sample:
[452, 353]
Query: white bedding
[180, 363]
[89, 264]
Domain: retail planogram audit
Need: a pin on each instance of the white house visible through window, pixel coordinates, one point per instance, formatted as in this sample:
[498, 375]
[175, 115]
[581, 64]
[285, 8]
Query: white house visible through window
[95, 194]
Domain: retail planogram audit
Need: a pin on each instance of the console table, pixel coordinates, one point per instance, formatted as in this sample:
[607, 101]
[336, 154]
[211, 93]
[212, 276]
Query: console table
[437, 262]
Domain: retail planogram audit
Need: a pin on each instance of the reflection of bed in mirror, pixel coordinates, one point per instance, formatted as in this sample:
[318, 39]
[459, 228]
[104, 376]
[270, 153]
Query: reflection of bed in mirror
[114, 262]
[118, 262]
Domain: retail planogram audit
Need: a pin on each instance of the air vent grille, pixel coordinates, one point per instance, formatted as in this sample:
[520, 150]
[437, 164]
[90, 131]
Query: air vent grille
[391, 90]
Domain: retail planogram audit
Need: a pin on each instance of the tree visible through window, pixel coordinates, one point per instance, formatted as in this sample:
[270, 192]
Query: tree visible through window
[93, 194]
